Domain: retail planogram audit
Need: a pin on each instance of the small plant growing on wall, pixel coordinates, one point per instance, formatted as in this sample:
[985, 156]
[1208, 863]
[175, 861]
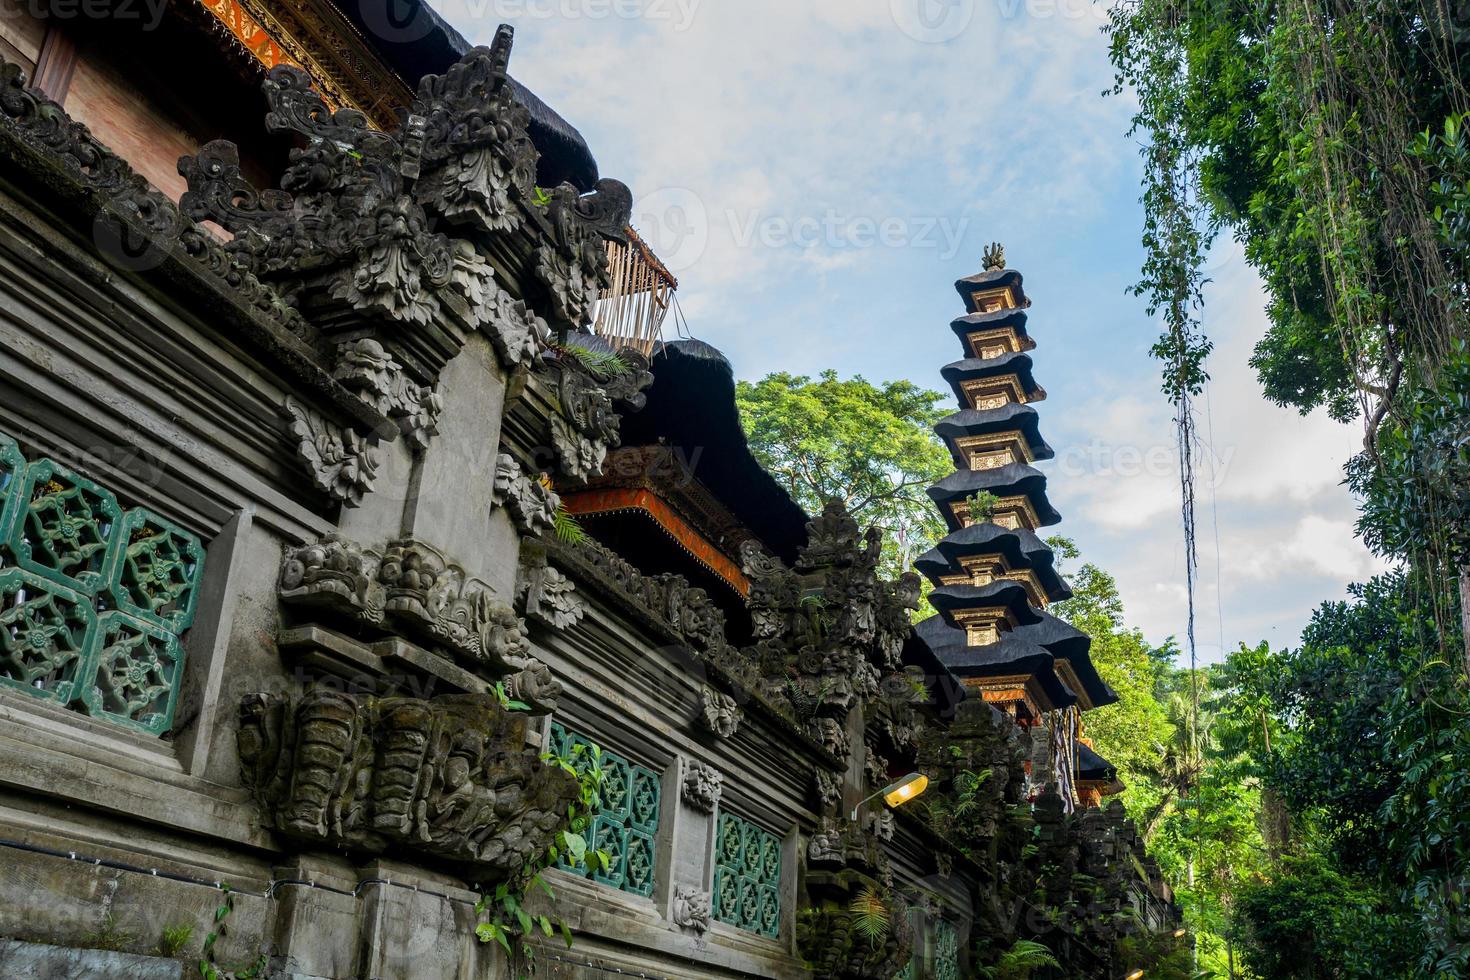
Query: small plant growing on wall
[505, 918]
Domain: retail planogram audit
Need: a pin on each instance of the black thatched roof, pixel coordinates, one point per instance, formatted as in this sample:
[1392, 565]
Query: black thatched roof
[415, 41]
[1013, 480]
[993, 279]
[1093, 767]
[1011, 655]
[691, 406]
[952, 599]
[977, 369]
[1051, 634]
[976, 322]
[987, 421]
[1021, 548]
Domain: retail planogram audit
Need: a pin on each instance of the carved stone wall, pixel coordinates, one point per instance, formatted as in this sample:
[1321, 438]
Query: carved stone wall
[451, 778]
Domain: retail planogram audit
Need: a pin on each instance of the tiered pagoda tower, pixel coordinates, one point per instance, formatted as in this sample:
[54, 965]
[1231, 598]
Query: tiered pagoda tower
[993, 576]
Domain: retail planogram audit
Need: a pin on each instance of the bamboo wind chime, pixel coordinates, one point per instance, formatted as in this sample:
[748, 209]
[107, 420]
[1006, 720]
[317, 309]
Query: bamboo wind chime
[631, 312]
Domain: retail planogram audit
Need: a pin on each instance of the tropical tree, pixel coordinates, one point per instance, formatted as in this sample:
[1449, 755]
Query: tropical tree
[870, 446]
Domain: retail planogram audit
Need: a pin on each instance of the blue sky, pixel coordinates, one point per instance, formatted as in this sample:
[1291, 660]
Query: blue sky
[819, 172]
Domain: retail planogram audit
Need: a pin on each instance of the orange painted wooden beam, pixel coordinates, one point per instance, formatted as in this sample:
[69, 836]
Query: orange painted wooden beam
[612, 500]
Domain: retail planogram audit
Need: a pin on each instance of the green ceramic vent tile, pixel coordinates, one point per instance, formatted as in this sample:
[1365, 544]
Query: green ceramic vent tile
[64, 527]
[154, 569]
[133, 673]
[747, 890]
[45, 629]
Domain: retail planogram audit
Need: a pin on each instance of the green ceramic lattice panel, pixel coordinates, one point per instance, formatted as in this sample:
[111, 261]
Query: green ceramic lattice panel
[12, 476]
[153, 570]
[610, 834]
[747, 889]
[63, 527]
[133, 673]
[45, 629]
[946, 951]
[94, 601]
[627, 820]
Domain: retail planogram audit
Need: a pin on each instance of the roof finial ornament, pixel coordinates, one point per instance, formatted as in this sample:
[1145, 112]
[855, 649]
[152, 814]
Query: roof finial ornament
[995, 256]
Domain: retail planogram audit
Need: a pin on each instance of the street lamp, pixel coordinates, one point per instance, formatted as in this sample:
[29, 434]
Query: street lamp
[899, 793]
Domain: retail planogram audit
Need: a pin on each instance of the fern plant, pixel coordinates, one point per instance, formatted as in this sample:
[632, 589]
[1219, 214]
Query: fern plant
[869, 914]
[1024, 958]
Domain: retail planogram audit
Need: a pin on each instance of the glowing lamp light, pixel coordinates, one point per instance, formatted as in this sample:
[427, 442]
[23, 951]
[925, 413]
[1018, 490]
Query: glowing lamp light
[1135, 975]
[899, 793]
[1179, 933]
[905, 789]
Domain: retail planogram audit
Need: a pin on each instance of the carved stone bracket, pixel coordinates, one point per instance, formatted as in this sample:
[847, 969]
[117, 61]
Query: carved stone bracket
[721, 713]
[829, 790]
[449, 778]
[701, 786]
[532, 504]
[341, 463]
[691, 908]
[364, 366]
[412, 590]
[545, 594]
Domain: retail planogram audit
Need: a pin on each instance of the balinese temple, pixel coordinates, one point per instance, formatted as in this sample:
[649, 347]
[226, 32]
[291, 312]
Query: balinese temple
[993, 575]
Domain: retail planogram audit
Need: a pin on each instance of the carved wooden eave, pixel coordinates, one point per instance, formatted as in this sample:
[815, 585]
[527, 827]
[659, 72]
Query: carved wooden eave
[314, 36]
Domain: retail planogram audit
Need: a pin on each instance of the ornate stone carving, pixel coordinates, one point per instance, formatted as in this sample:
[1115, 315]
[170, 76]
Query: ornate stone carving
[531, 503]
[365, 367]
[701, 786]
[685, 610]
[691, 908]
[411, 589]
[880, 823]
[573, 267]
[827, 630]
[829, 789]
[721, 713]
[587, 425]
[341, 463]
[546, 594]
[518, 334]
[844, 861]
[478, 160]
[994, 257]
[449, 778]
[373, 231]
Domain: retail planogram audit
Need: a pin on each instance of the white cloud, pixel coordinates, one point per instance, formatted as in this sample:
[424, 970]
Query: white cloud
[768, 110]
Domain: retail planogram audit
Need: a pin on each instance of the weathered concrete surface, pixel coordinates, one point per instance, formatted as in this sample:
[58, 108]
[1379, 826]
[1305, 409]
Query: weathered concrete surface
[34, 961]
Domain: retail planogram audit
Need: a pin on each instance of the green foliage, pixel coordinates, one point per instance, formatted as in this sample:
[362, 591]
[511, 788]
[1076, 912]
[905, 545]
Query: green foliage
[870, 915]
[1019, 962]
[175, 938]
[567, 528]
[506, 917]
[1311, 921]
[868, 445]
[109, 937]
[981, 506]
[209, 967]
[601, 364]
[1131, 733]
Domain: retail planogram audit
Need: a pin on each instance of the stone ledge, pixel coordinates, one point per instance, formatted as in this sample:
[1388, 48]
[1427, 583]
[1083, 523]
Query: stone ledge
[41, 962]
